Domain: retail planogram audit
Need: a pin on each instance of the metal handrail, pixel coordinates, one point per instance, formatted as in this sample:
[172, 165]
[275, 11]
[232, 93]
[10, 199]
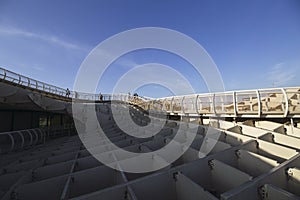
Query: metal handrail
[20, 79]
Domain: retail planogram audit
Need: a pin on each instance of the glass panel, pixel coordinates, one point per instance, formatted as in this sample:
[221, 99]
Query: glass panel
[177, 104]
[294, 100]
[272, 101]
[167, 104]
[247, 102]
[189, 104]
[205, 104]
[224, 103]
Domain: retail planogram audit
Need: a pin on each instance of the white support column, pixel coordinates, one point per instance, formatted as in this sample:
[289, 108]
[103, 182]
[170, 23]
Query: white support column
[292, 125]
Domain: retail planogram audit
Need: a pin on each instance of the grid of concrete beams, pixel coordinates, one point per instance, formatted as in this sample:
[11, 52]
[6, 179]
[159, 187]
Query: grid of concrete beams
[255, 161]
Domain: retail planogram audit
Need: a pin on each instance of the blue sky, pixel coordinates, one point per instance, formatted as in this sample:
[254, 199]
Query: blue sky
[255, 43]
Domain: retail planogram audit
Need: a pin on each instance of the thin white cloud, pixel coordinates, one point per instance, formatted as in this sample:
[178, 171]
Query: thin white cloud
[125, 63]
[281, 74]
[154, 74]
[38, 68]
[16, 32]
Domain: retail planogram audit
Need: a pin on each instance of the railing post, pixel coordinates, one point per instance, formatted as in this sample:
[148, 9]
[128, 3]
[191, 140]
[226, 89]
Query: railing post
[222, 99]
[22, 137]
[286, 111]
[258, 103]
[4, 76]
[234, 104]
[164, 105]
[12, 142]
[251, 103]
[182, 106]
[196, 104]
[214, 103]
[171, 105]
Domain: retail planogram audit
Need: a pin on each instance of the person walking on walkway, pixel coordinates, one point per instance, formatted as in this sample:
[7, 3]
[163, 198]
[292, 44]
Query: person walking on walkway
[68, 92]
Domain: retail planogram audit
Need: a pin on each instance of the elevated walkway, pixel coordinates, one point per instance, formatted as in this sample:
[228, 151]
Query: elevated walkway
[20, 92]
[260, 103]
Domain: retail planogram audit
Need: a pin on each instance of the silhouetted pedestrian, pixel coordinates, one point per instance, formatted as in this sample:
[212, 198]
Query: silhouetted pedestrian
[68, 92]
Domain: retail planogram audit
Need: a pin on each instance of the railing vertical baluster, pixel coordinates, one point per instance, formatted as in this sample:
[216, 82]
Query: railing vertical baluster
[234, 103]
[4, 77]
[286, 111]
[258, 103]
[196, 104]
[182, 105]
[171, 105]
